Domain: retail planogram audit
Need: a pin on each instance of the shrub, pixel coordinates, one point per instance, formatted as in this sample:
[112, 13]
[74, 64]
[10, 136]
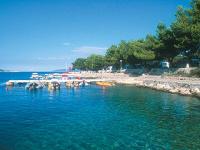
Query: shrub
[195, 72]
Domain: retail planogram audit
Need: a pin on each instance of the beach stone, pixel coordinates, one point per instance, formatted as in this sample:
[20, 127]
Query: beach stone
[151, 85]
[146, 85]
[195, 91]
[167, 87]
[179, 85]
[187, 92]
[184, 91]
[160, 86]
[175, 90]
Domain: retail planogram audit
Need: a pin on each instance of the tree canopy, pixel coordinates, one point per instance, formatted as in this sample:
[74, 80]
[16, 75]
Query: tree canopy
[182, 37]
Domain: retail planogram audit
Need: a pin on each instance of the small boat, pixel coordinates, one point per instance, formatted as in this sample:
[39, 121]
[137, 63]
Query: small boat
[83, 84]
[9, 83]
[27, 86]
[57, 76]
[54, 86]
[76, 84]
[34, 76]
[20, 84]
[68, 84]
[103, 83]
[40, 86]
[31, 86]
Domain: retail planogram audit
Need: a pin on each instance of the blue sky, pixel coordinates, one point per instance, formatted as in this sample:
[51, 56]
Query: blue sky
[38, 35]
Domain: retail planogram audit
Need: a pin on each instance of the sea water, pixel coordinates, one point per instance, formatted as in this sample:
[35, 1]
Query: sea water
[119, 117]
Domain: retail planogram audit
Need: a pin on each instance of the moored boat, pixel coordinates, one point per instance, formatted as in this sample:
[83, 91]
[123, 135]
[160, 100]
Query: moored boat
[34, 76]
[104, 83]
[31, 86]
[9, 83]
[54, 85]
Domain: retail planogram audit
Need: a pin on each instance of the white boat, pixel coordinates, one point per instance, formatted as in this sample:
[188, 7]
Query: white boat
[83, 83]
[34, 76]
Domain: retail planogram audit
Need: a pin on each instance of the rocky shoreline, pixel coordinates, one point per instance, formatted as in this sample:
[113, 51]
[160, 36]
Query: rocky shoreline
[175, 88]
[176, 85]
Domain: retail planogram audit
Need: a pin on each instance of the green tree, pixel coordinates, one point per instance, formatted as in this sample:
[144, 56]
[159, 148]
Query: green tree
[166, 49]
[186, 29]
[195, 28]
[95, 62]
[80, 64]
[116, 53]
[123, 51]
[152, 43]
[181, 37]
[138, 52]
[112, 56]
[182, 30]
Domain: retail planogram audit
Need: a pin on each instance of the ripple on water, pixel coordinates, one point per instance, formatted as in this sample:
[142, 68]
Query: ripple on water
[121, 117]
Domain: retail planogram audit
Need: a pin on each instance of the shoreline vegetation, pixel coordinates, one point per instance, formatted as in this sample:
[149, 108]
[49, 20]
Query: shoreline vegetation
[177, 44]
[178, 85]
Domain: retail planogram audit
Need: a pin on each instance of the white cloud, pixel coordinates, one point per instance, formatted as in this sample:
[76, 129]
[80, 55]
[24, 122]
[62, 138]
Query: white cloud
[87, 50]
[51, 58]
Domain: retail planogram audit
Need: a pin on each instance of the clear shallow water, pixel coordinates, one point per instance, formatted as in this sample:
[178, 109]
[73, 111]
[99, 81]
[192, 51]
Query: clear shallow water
[120, 117]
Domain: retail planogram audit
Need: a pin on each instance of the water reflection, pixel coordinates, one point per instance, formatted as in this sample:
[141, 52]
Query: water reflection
[53, 94]
[8, 88]
[98, 118]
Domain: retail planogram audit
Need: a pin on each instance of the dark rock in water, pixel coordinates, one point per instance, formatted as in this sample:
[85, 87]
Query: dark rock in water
[31, 86]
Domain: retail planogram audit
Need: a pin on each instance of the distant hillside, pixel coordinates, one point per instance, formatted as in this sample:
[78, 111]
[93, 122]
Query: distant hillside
[2, 70]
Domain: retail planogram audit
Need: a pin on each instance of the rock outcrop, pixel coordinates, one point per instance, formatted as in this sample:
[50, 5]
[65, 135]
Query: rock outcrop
[176, 88]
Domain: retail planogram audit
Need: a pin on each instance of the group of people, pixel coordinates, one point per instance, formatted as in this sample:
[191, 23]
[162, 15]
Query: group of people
[76, 83]
[55, 85]
[34, 86]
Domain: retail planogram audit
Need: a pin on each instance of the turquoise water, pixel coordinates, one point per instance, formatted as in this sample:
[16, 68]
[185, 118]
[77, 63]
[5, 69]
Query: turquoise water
[120, 117]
